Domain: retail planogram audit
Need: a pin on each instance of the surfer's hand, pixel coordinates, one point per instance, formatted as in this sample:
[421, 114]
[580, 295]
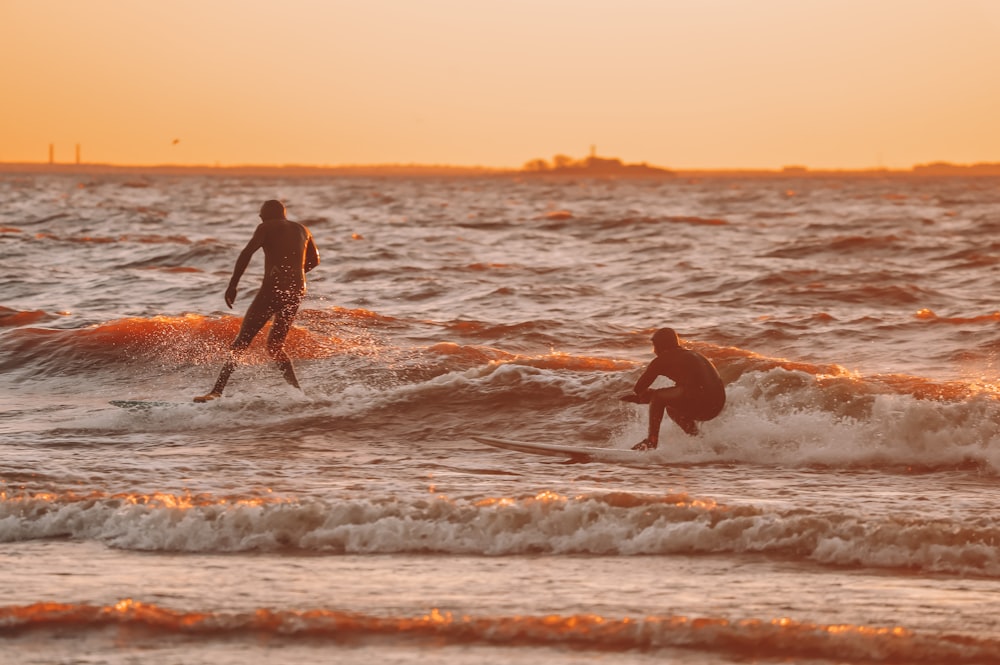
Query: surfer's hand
[230, 296]
[635, 398]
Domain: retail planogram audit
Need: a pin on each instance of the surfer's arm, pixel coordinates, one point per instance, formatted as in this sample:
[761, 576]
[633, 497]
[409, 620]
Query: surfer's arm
[312, 254]
[242, 261]
[640, 393]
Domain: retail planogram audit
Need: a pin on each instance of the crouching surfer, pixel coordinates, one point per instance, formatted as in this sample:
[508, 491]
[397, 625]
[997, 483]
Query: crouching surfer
[697, 395]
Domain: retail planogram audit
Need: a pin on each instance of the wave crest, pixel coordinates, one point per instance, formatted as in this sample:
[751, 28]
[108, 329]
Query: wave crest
[619, 524]
[777, 638]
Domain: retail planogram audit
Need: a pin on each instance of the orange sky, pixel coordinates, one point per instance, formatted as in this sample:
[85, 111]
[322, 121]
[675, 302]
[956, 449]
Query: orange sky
[676, 83]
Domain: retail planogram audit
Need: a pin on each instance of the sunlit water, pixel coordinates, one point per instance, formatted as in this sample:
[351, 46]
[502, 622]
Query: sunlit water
[843, 508]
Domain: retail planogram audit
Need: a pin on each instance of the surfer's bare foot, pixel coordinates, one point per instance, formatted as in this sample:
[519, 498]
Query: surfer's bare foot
[201, 399]
[645, 444]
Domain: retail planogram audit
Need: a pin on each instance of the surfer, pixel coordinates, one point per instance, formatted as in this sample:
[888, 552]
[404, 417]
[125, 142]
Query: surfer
[289, 253]
[696, 396]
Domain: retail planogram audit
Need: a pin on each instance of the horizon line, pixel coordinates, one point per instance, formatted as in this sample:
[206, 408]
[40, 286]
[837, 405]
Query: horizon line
[791, 169]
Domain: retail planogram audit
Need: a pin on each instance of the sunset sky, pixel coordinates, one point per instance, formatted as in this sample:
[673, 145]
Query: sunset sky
[676, 83]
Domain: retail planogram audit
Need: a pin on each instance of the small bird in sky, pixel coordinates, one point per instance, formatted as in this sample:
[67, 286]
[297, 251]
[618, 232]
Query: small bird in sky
[176, 141]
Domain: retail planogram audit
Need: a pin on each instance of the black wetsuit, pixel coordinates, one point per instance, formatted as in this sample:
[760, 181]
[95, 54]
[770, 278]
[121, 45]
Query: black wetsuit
[289, 253]
[698, 392]
[287, 245]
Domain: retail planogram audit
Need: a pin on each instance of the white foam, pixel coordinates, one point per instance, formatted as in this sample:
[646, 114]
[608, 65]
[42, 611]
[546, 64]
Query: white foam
[549, 523]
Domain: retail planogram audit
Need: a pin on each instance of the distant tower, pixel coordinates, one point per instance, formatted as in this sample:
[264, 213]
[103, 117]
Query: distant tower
[77, 153]
[593, 151]
[52, 153]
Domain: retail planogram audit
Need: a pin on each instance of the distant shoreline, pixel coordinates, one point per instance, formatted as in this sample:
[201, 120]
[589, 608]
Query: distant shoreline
[417, 170]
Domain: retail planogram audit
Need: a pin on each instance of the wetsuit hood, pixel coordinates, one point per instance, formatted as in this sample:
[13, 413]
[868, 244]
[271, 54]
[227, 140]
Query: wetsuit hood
[665, 339]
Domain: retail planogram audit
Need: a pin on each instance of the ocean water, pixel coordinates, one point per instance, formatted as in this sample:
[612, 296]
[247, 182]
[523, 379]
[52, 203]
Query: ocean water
[844, 508]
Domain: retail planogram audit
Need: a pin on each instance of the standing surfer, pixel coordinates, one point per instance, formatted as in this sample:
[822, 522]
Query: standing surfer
[696, 396]
[289, 253]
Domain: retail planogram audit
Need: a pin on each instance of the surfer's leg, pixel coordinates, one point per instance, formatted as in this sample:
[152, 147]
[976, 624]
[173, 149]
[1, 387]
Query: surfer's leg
[690, 410]
[671, 402]
[656, 408]
[658, 400]
[255, 318]
[287, 369]
[276, 342]
[684, 421]
[682, 409]
[220, 383]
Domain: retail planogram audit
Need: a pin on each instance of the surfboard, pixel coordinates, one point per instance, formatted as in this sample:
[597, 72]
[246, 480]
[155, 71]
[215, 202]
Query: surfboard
[574, 453]
[142, 404]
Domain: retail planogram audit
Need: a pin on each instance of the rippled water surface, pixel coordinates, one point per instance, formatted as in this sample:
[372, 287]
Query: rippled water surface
[841, 509]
